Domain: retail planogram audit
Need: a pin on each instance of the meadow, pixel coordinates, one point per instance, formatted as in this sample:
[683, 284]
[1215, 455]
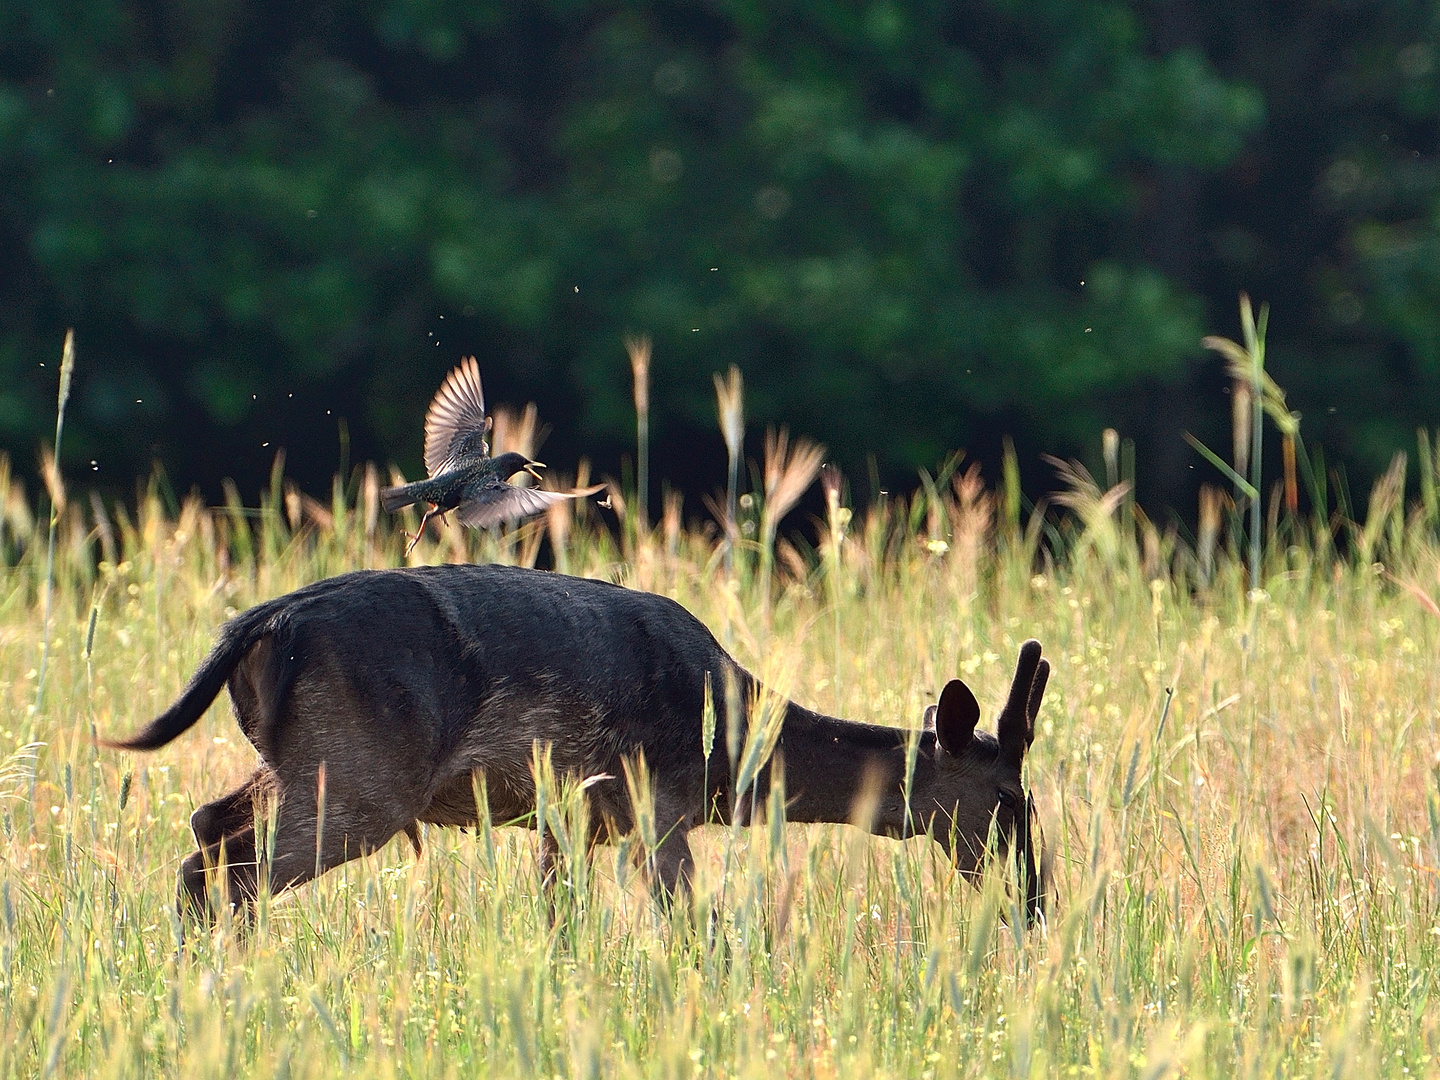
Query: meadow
[1239, 785]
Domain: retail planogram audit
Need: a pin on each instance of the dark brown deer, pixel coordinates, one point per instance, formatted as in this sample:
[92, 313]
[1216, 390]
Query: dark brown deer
[389, 690]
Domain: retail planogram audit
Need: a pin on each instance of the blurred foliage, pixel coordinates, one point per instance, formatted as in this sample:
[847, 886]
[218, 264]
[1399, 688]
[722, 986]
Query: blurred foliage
[906, 223]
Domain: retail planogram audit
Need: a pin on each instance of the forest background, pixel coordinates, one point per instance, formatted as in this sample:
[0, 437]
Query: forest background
[914, 227]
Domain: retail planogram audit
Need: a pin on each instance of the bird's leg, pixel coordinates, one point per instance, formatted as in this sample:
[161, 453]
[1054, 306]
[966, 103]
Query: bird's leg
[434, 509]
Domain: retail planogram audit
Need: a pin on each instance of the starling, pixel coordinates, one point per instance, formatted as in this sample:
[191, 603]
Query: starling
[462, 474]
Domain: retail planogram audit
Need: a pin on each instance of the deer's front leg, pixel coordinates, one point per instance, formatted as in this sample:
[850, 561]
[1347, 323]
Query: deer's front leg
[673, 867]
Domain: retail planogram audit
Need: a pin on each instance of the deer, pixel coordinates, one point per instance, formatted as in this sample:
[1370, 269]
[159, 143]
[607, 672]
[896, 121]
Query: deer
[376, 699]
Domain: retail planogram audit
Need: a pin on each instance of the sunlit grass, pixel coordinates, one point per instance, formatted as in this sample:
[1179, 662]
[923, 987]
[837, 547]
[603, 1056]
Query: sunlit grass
[1247, 867]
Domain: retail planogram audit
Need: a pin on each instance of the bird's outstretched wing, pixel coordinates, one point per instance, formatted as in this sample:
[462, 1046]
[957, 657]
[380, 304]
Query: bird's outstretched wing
[456, 424]
[497, 501]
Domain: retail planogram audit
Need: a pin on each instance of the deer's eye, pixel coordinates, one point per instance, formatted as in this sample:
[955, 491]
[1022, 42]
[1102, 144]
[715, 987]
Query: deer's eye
[1006, 799]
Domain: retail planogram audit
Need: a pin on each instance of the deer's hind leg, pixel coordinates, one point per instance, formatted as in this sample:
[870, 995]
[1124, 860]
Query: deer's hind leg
[352, 774]
[332, 811]
[228, 822]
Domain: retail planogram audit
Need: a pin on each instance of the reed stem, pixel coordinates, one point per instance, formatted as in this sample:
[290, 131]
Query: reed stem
[67, 369]
[639, 349]
[730, 400]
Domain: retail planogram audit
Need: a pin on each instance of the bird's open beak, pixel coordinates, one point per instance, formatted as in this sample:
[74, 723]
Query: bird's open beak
[533, 466]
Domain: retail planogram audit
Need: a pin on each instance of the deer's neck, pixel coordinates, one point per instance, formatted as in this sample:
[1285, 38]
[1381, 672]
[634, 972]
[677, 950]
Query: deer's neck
[830, 764]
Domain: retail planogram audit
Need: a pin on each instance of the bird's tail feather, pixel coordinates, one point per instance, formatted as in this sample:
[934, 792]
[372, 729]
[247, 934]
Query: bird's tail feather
[396, 498]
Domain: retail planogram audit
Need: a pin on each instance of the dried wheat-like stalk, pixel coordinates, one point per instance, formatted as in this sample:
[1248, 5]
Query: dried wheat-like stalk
[639, 349]
[57, 506]
[370, 499]
[15, 515]
[54, 482]
[292, 505]
[789, 472]
[672, 522]
[1240, 425]
[557, 522]
[730, 405]
[1386, 498]
[837, 517]
[1152, 560]
[1211, 509]
[109, 550]
[972, 513]
[1110, 449]
[1094, 508]
[1247, 367]
[520, 432]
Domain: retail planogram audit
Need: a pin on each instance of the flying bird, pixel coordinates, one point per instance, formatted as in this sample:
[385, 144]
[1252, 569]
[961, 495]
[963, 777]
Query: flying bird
[462, 476]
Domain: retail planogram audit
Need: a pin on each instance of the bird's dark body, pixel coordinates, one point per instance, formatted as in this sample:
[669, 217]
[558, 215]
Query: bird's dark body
[461, 474]
[468, 480]
[400, 686]
[444, 491]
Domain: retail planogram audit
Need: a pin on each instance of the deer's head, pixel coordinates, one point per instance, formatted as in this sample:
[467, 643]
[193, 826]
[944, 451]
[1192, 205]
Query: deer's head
[975, 779]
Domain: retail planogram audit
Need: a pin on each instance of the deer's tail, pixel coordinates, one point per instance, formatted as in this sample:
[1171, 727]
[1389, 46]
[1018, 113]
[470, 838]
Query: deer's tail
[236, 639]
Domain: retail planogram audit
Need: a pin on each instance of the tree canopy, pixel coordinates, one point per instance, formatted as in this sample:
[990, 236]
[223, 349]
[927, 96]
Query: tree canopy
[911, 225]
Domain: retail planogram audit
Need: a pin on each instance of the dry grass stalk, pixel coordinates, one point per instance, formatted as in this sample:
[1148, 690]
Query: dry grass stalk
[530, 534]
[15, 512]
[1152, 559]
[730, 406]
[291, 499]
[791, 559]
[1419, 592]
[57, 507]
[837, 517]
[320, 515]
[972, 515]
[639, 349]
[557, 523]
[1240, 413]
[582, 507]
[1429, 466]
[521, 432]
[1110, 450]
[1240, 366]
[456, 541]
[1094, 509]
[789, 472]
[1211, 510]
[1385, 499]
[672, 521]
[370, 499]
[1292, 486]
[54, 482]
[109, 550]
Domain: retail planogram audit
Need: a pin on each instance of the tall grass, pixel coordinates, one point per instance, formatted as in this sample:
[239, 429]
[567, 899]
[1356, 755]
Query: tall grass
[1240, 789]
[639, 350]
[56, 487]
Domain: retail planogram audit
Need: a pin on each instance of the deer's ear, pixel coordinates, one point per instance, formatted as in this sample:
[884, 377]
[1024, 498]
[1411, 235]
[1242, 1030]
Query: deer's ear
[1037, 693]
[929, 724]
[1013, 729]
[956, 717]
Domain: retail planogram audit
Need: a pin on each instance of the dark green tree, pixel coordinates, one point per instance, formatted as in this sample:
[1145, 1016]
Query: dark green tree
[899, 219]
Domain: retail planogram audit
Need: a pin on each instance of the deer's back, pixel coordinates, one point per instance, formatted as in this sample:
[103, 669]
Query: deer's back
[475, 663]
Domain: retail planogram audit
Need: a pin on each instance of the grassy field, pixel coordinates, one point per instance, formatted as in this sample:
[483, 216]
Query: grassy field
[1240, 788]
